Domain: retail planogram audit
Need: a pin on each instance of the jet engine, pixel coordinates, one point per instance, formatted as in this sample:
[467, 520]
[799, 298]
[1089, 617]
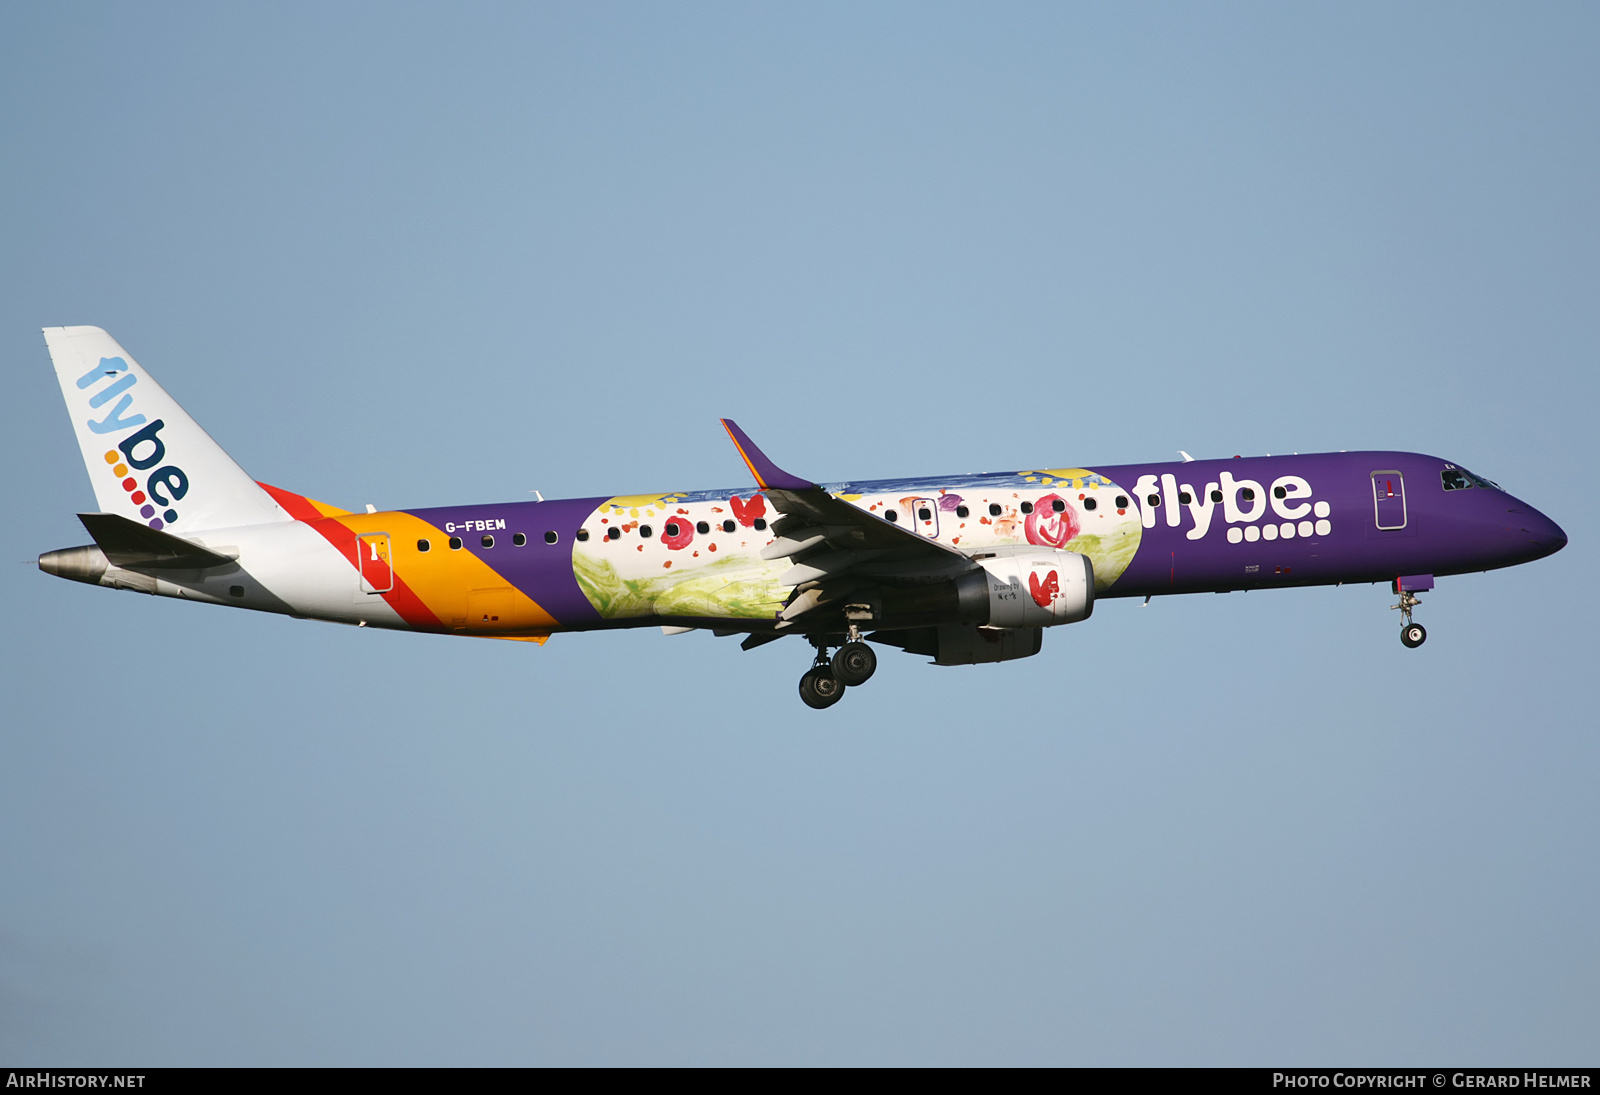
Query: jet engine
[1035, 587]
[993, 614]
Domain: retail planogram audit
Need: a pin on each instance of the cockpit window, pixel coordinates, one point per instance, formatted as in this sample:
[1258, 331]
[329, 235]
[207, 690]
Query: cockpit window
[1461, 479]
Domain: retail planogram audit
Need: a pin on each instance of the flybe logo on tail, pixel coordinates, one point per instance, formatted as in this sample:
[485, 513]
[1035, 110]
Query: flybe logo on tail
[139, 452]
[113, 421]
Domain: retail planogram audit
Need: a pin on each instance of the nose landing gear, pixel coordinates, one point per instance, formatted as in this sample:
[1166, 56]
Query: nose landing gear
[1412, 635]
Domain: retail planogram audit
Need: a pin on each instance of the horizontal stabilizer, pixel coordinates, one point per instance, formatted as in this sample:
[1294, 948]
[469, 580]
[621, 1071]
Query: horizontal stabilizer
[127, 543]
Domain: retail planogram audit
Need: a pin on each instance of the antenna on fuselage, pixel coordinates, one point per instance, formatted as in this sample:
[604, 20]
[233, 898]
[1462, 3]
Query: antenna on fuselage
[1187, 459]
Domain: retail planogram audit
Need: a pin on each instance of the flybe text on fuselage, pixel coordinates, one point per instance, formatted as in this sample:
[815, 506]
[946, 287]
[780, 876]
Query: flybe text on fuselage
[1286, 507]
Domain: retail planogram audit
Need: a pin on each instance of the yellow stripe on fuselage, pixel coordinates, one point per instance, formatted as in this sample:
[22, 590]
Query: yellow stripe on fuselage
[445, 580]
[325, 509]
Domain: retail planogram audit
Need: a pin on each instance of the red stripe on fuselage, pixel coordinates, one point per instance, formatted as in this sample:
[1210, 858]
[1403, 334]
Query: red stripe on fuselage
[400, 598]
[296, 505]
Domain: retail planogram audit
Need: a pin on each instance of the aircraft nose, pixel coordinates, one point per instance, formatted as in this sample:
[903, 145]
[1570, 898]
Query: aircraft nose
[1551, 534]
[1543, 536]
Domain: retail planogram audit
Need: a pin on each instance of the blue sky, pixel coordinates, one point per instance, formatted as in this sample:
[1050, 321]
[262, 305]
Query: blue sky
[415, 255]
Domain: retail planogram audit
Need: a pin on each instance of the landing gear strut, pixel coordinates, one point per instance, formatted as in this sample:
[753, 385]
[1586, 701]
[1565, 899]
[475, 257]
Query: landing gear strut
[1412, 635]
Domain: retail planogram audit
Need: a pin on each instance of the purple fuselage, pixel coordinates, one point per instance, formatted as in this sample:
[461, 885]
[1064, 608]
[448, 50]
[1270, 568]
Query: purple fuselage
[1198, 526]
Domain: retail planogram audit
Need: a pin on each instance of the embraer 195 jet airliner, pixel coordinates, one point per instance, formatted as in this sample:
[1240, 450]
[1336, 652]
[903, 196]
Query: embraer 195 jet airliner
[963, 569]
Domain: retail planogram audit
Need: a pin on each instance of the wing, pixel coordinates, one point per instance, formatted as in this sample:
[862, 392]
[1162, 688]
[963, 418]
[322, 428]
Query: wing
[845, 558]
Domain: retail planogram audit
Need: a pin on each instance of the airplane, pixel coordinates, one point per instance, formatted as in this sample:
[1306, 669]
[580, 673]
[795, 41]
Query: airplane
[963, 569]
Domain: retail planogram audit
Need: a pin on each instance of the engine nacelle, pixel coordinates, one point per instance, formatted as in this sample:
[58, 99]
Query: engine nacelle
[1035, 586]
[964, 644]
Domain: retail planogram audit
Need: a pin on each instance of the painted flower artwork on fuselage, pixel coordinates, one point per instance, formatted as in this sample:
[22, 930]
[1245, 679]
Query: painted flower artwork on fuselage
[696, 554]
[686, 555]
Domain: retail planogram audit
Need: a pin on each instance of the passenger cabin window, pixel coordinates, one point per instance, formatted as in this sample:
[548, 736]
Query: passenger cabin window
[671, 529]
[1248, 494]
[1027, 507]
[761, 524]
[702, 528]
[582, 534]
[552, 537]
[890, 516]
[1185, 498]
[963, 511]
[1216, 496]
[455, 543]
[423, 545]
[924, 514]
[613, 533]
[518, 540]
[1059, 505]
[728, 525]
[487, 541]
[1122, 501]
[994, 509]
[1090, 503]
[646, 531]
[1153, 501]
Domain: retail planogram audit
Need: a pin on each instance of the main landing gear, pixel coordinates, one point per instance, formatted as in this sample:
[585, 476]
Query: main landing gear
[1412, 635]
[824, 683]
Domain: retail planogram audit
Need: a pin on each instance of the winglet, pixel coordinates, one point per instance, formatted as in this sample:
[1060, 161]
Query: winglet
[768, 475]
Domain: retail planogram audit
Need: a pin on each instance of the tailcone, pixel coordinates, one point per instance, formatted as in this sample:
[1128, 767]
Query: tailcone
[78, 564]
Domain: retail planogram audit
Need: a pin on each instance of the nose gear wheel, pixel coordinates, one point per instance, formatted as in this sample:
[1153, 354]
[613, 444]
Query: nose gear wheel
[1412, 635]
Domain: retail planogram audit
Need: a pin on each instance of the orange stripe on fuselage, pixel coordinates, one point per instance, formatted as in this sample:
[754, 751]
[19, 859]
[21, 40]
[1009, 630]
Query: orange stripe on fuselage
[443, 581]
[317, 514]
[400, 598]
[432, 589]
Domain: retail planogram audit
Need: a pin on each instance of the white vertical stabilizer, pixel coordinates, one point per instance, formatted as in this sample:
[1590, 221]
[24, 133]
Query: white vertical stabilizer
[148, 460]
